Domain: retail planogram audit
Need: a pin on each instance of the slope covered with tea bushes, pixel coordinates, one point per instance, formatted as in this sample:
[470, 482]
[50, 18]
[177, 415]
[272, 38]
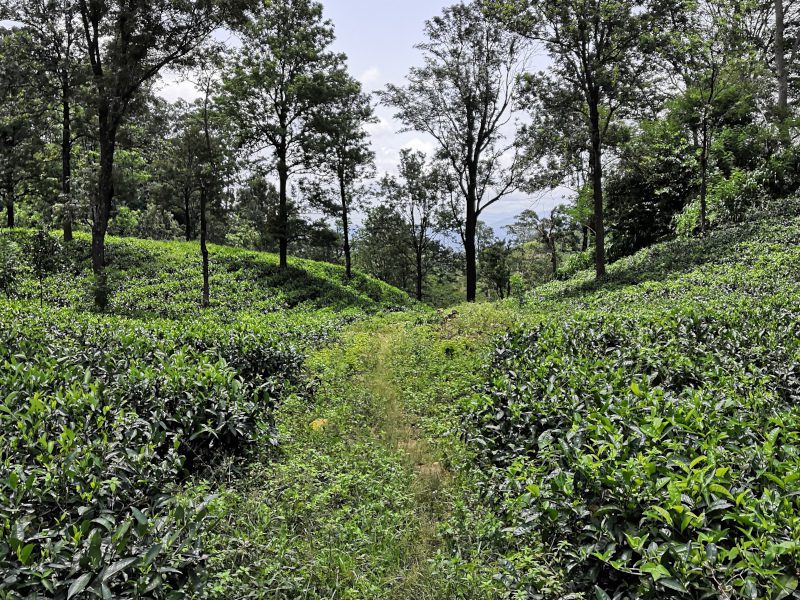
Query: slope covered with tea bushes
[645, 434]
[103, 418]
[635, 439]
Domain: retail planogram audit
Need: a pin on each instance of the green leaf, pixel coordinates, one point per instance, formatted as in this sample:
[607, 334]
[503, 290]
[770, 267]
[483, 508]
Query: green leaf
[663, 513]
[600, 594]
[139, 515]
[655, 570]
[24, 554]
[786, 586]
[79, 585]
[154, 551]
[673, 584]
[118, 566]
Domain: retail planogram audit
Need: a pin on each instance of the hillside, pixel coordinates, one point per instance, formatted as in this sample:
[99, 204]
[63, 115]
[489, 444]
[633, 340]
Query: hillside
[304, 438]
[105, 417]
[632, 439]
[163, 279]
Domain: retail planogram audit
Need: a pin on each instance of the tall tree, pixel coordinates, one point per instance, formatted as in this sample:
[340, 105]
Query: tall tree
[23, 116]
[57, 44]
[597, 51]
[418, 196]
[715, 64]
[344, 150]
[281, 78]
[127, 44]
[464, 96]
[780, 64]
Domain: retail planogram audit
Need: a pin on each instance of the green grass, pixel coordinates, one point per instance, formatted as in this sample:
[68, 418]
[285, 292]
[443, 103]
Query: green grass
[106, 417]
[636, 438]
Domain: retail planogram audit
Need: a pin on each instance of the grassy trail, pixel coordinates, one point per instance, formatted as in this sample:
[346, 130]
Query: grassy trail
[430, 479]
[350, 508]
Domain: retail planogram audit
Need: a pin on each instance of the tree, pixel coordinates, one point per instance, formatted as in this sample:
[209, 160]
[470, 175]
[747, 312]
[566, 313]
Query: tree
[344, 150]
[54, 25]
[176, 168]
[464, 96]
[495, 267]
[380, 246]
[418, 196]
[715, 65]
[282, 76]
[23, 111]
[599, 64]
[127, 44]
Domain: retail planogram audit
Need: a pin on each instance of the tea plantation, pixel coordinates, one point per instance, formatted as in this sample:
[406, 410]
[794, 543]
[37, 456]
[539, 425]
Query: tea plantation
[641, 439]
[314, 437]
[105, 418]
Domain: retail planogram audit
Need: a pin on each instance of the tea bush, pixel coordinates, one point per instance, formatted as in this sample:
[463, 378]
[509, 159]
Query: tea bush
[107, 421]
[152, 279]
[647, 429]
[101, 419]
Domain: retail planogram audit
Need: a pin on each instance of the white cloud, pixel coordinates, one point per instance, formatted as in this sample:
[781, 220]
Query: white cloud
[172, 88]
[370, 77]
[420, 145]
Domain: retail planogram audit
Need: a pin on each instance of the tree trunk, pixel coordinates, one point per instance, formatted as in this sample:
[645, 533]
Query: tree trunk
[10, 212]
[101, 207]
[704, 181]
[203, 245]
[420, 273]
[66, 160]
[187, 215]
[597, 185]
[348, 264]
[585, 238]
[283, 210]
[554, 257]
[780, 62]
[471, 254]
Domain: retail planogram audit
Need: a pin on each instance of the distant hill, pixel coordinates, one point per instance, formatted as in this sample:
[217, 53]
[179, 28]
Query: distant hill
[163, 279]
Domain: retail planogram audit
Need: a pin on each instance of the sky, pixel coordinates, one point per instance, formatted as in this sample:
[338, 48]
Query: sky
[378, 37]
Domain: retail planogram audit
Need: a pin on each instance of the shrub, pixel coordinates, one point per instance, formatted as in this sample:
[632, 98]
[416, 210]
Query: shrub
[575, 263]
[101, 420]
[9, 265]
[664, 451]
[647, 428]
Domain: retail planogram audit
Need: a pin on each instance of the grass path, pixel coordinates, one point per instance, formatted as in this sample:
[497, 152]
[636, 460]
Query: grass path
[351, 505]
[430, 479]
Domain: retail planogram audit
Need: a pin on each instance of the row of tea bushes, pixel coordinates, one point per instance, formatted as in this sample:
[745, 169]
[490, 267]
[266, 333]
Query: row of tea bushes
[100, 420]
[151, 279]
[647, 431]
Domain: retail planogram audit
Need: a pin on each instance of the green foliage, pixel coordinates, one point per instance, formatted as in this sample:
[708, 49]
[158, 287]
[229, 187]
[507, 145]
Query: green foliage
[45, 257]
[647, 430]
[103, 419]
[9, 265]
[495, 269]
[151, 223]
[163, 279]
[580, 261]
